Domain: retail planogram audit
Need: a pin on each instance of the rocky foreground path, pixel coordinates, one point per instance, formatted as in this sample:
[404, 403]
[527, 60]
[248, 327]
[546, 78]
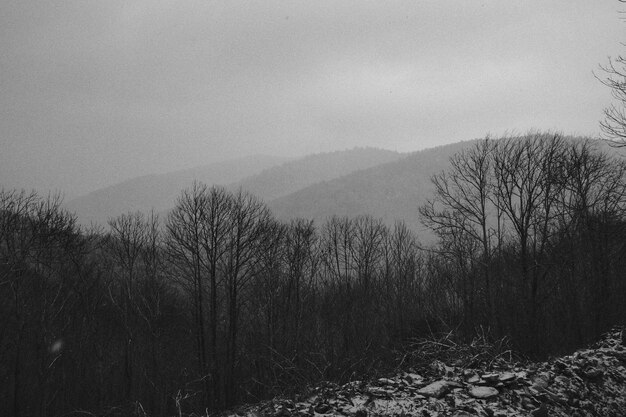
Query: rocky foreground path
[590, 382]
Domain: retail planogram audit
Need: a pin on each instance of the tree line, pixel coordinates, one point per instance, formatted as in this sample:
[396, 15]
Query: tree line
[220, 303]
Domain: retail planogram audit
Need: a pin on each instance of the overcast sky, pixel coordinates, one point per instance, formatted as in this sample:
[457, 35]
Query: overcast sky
[94, 92]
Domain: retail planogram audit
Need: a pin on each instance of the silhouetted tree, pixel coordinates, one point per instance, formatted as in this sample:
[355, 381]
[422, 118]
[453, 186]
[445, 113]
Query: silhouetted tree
[614, 123]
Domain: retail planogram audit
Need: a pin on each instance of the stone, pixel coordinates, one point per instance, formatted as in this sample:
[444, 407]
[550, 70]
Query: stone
[483, 393]
[437, 389]
[322, 408]
[542, 411]
[474, 379]
[379, 392]
[507, 377]
[413, 378]
[282, 412]
[491, 377]
[386, 381]
[592, 373]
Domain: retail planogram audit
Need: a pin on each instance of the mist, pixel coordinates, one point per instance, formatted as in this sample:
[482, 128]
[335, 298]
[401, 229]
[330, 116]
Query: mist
[94, 92]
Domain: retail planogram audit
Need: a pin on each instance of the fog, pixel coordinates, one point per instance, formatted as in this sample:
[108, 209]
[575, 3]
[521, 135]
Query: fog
[95, 92]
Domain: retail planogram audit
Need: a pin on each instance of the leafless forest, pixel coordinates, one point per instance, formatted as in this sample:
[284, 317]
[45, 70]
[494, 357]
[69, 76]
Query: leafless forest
[219, 303]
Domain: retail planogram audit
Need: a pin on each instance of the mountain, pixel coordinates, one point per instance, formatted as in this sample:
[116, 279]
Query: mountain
[160, 191]
[264, 176]
[292, 176]
[391, 191]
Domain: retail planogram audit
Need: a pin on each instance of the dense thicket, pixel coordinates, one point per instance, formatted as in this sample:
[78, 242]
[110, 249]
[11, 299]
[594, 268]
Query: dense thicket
[220, 303]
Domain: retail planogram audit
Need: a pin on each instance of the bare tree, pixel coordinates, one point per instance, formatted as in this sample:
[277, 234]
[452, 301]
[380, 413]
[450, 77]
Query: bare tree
[463, 211]
[248, 221]
[127, 240]
[614, 124]
[529, 174]
[185, 227]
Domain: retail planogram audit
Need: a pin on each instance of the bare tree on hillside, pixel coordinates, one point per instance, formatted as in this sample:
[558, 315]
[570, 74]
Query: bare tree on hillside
[614, 124]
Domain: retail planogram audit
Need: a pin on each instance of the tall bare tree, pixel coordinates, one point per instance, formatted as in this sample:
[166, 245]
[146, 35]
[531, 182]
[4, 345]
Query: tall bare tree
[185, 227]
[463, 211]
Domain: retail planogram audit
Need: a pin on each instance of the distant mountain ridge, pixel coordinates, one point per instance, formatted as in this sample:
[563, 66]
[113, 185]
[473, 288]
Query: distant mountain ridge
[381, 183]
[391, 191]
[295, 175]
[264, 176]
[159, 191]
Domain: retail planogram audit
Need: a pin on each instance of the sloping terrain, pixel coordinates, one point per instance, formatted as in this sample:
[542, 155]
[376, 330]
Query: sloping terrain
[161, 190]
[391, 191]
[266, 177]
[469, 382]
[292, 176]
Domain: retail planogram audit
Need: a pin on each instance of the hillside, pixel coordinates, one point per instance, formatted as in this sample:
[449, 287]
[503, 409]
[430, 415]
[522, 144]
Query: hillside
[382, 183]
[160, 191]
[292, 176]
[390, 191]
[444, 378]
[264, 176]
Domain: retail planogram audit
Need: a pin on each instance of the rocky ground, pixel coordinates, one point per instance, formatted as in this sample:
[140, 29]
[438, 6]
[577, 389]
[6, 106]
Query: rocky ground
[475, 382]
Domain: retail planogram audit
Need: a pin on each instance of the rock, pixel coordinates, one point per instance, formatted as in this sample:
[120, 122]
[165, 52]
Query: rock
[386, 381]
[441, 368]
[542, 411]
[593, 374]
[361, 412]
[379, 392]
[454, 384]
[490, 377]
[507, 377]
[528, 403]
[282, 412]
[474, 379]
[437, 389]
[541, 382]
[483, 393]
[412, 378]
[322, 408]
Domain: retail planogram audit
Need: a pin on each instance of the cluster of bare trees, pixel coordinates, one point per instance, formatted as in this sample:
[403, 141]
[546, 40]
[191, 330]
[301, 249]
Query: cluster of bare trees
[215, 304]
[86, 320]
[220, 303]
[533, 229]
[274, 305]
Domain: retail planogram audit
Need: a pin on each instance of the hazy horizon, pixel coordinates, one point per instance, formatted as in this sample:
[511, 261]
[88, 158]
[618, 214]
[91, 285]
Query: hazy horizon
[94, 93]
